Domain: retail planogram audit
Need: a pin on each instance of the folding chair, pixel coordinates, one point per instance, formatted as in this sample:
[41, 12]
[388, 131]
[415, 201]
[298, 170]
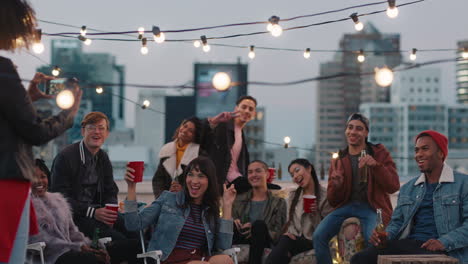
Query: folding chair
[36, 248]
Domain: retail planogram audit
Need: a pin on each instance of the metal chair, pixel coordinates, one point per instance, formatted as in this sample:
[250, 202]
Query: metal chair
[36, 248]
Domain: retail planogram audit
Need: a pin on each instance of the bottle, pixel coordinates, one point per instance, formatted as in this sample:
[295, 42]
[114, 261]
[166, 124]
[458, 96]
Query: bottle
[95, 242]
[363, 170]
[380, 229]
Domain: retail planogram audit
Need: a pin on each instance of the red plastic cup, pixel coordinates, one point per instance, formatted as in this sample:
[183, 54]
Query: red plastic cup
[113, 207]
[309, 200]
[139, 167]
[271, 175]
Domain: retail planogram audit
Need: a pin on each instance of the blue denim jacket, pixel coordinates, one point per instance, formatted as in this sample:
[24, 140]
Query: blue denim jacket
[450, 211]
[169, 219]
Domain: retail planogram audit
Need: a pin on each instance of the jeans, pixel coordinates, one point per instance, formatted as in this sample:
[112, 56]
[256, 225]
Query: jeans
[287, 248]
[331, 224]
[18, 253]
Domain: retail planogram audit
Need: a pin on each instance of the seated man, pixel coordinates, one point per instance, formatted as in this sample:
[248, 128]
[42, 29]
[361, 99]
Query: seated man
[259, 215]
[432, 212]
[82, 172]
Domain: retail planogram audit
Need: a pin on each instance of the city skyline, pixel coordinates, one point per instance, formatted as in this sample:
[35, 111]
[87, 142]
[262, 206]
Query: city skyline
[430, 24]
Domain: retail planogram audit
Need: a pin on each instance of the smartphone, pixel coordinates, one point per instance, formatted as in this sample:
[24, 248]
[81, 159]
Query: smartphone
[55, 86]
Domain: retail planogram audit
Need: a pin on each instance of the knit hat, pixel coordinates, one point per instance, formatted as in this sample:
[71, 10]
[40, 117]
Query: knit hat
[440, 139]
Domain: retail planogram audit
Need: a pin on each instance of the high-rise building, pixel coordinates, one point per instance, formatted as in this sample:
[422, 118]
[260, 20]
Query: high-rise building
[462, 73]
[341, 96]
[255, 135]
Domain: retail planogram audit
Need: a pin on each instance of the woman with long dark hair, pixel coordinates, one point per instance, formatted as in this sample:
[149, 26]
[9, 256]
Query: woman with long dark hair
[20, 127]
[187, 223]
[300, 225]
[176, 155]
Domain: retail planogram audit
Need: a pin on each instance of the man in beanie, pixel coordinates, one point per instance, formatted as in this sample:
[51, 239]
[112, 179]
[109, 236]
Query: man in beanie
[359, 182]
[432, 212]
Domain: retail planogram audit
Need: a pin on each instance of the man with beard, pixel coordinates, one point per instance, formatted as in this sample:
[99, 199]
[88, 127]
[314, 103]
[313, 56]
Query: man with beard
[432, 211]
[360, 181]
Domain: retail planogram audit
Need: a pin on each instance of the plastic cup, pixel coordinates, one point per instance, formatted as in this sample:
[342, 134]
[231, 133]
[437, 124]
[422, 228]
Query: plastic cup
[139, 167]
[113, 207]
[271, 175]
[309, 200]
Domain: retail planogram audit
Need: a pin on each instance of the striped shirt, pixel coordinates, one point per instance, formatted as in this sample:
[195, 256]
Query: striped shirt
[192, 235]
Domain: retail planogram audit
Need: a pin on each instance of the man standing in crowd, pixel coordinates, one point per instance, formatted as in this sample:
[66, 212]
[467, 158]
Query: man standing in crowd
[360, 181]
[432, 212]
[82, 172]
[258, 215]
[225, 142]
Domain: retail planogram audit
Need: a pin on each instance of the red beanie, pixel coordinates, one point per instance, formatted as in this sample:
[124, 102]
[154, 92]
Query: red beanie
[438, 138]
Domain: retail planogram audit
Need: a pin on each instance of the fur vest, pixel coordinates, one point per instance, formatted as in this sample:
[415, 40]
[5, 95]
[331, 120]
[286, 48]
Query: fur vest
[56, 227]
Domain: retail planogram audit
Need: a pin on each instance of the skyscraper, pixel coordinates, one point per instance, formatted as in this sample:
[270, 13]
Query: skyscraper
[339, 97]
[462, 73]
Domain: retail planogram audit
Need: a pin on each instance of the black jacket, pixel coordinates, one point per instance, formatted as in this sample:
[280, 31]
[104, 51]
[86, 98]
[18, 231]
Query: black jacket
[218, 142]
[20, 127]
[67, 174]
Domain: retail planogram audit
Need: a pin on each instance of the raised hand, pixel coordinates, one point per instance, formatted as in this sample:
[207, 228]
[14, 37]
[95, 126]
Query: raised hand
[336, 177]
[229, 195]
[223, 117]
[33, 89]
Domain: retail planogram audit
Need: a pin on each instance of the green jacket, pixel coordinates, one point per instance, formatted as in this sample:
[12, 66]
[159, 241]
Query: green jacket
[274, 214]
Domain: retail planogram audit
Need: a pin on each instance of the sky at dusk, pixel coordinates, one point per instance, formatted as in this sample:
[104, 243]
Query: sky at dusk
[291, 110]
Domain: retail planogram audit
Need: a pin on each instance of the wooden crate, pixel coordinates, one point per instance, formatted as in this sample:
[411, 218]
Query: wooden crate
[416, 259]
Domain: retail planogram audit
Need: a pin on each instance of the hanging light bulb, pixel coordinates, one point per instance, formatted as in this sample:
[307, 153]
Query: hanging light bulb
[85, 40]
[141, 31]
[252, 52]
[273, 26]
[144, 49]
[196, 44]
[412, 56]
[465, 53]
[99, 90]
[146, 104]
[357, 24]
[361, 58]
[392, 10]
[286, 140]
[37, 46]
[307, 53]
[335, 155]
[158, 36]
[65, 99]
[221, 81]
[383, 76]
[204, 41]
[56, 71]
[83, 31]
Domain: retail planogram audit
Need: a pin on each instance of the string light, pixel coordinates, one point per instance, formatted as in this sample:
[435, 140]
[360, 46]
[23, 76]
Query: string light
[465, 53]
[361, 58]
[392, 10]
[146, 104]
[275, 29]
[221, 81]
[141, 31]
[307, 53]
[196, 44]
[158, 36]
[99, 90]
[383, 76]
[144, 49]
[56, 71]
[357, 24]
[86, 41]
[206, 47]
[252, 52]
[286, 140]
[335, 155]
[412, 56]
[37, 46]
[83, 31]
[65, 99]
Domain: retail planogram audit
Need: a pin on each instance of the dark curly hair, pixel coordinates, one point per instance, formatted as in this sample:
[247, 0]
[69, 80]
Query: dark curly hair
[17, 24]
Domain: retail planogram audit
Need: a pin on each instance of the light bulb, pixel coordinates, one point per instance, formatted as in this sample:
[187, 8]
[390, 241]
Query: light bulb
[65, 99]
[465, 54]
[276, 30]
[361, 58]
[392, 12]
[141, 30]
[335, 155]
[144, 50]
[307, 53]
[269, 27]
[88, 42]
[160, 38]
[412, 56]
[56, 71]
[83, 31]
[251, 55]
[38, 47]
[359, 26]
[196, 43]
[99, 90]
[383, 76]
[287, 140]
[221, 81]
[146, 103]
[206, 48]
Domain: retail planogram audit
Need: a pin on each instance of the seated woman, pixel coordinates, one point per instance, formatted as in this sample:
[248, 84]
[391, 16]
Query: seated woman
[300, 225]
[175, 155]
[64, 243]
[188, 228]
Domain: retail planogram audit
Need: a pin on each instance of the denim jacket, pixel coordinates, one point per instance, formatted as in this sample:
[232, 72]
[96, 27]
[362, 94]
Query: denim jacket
[169, 218]
[450, 201]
